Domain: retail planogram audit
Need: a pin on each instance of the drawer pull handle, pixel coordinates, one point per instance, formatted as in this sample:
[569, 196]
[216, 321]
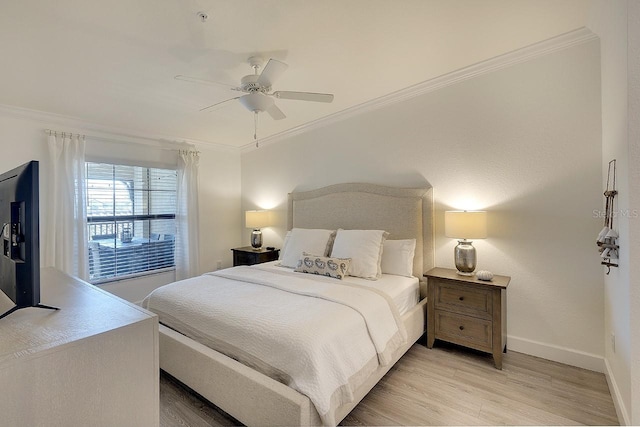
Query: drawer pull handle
[461, 298]
[462, 328]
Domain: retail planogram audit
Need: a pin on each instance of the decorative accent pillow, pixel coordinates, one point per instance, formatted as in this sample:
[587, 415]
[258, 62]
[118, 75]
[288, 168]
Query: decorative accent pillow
[397, 257]
[301, 240]
[364, 247]
[324, 266]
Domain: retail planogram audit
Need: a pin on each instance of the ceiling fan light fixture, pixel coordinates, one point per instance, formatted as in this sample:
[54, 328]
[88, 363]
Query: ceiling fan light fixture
[256, 102]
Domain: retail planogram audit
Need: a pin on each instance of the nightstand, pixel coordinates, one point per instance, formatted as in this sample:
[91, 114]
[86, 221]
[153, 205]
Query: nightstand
[467, 311]
[247, 255]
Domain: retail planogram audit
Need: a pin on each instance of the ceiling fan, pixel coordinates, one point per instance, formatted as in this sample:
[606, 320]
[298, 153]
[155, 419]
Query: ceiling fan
[257, 88]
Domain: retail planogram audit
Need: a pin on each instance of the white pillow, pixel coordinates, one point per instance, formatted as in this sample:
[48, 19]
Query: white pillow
[284, 244]
[364, 247]
[313, 241]
[397, 257]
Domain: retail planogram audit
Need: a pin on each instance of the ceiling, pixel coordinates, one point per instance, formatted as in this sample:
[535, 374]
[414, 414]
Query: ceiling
[113, 63]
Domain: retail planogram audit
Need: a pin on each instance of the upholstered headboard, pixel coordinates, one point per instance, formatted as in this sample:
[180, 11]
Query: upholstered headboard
[404, 212]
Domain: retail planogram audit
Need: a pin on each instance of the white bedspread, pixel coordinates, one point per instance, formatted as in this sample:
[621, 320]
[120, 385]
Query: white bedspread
[404, 291]
[319, 336]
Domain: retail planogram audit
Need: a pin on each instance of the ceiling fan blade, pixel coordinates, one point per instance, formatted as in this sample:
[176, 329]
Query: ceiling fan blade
[304, 96]
[275, 112]
[271, 72]
[204, 82]
[218, 103]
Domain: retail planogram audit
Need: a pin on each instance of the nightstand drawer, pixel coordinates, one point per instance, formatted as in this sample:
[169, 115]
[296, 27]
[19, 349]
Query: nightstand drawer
[464, 330]
[463, 299]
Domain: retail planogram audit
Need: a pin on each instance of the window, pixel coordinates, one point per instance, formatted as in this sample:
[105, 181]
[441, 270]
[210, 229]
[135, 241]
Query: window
[131, 220]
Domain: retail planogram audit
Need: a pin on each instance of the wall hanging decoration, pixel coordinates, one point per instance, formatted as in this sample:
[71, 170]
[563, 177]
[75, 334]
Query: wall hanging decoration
[608, 238]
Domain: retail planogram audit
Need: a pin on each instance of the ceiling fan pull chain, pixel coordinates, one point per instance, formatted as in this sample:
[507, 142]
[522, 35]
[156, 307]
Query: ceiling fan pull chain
[255, 127]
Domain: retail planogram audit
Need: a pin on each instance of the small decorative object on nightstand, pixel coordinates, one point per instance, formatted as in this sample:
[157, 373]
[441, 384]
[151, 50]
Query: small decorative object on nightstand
[485, 275]
[248, 255]
[467, 311]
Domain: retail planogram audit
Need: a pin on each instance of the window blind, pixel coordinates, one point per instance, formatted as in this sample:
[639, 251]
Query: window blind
[130, 219]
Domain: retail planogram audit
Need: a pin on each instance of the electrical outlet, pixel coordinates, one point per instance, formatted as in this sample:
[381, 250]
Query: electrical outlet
[218, 265]
[613, 342]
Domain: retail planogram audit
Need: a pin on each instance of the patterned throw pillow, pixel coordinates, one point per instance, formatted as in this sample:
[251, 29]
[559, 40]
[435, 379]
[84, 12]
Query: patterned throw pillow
[324, 266]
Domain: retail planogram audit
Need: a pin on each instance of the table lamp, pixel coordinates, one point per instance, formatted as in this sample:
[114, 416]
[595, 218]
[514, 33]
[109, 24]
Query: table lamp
[465, 225]
[257, 220]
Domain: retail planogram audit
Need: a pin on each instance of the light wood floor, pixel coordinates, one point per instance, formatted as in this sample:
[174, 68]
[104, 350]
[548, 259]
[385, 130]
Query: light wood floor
[447, 386]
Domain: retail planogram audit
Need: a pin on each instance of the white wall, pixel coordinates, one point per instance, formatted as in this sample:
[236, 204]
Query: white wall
[220, 216]
[633, 52]
[22, 138]
[14, 130]
[523, 143]
[614, 22]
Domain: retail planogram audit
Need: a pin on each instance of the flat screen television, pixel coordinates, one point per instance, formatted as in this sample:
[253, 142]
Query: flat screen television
[20, 237]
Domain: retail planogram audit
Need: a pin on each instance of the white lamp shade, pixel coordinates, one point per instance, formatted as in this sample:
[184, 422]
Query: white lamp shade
[257, 219]
[465, 224]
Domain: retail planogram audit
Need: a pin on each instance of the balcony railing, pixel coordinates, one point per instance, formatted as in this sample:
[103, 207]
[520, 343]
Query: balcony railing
[112, 256]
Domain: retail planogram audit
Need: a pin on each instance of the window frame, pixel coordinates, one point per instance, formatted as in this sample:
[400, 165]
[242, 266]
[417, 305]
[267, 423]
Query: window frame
[116, 219]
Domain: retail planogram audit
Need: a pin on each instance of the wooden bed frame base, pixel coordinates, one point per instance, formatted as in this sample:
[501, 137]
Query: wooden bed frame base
[251, 397]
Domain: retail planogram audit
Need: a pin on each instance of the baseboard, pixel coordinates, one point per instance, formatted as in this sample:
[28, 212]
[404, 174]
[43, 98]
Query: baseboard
[574, 358]
[559, 354]
[621, 410]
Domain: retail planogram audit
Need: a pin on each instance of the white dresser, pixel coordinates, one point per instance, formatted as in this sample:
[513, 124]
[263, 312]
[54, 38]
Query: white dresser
[92, 363]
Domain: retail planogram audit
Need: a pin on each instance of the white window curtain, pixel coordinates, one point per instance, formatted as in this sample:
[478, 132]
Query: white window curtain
[66, 234]
[187, 233]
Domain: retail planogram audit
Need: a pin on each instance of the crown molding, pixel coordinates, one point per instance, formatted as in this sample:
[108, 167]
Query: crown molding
[545, 47]
[563, 41]
[102, 132]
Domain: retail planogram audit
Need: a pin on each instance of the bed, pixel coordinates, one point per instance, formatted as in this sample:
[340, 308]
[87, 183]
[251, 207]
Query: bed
[254, 398]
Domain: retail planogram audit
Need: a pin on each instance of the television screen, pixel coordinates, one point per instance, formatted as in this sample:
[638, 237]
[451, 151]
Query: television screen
[20, 236]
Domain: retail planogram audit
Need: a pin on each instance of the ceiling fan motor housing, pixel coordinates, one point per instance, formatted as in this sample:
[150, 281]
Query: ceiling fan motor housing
[249, 84]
